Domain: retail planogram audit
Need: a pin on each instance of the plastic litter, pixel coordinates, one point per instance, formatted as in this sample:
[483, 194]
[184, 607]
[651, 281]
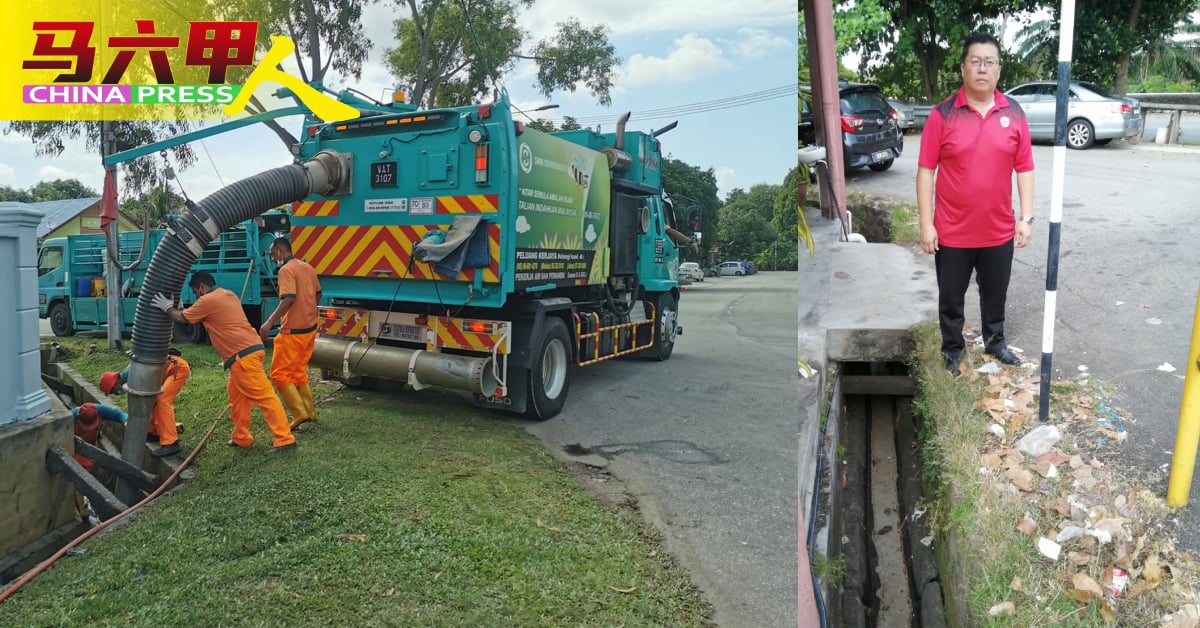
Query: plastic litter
[1166, 367]
[1040, 440]
[991, 368]
[1115, 581]
[1068, 533]
[1049, 548]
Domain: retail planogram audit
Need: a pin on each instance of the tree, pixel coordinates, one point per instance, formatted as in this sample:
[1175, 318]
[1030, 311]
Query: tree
[60, 189]
[744, 223]
[1110, 35]
[919, 38]
[154, 207]
[56, 190]
[452, 52]
[11, 194]
[688, 185]
[542, 124]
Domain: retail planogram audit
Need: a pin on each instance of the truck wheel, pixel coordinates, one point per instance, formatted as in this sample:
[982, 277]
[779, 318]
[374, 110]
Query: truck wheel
[667, 328]
[60, 320]
[194, 334]
[550, 377]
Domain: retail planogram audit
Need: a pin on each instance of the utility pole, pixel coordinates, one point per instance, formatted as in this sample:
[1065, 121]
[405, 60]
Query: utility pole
[112, 283]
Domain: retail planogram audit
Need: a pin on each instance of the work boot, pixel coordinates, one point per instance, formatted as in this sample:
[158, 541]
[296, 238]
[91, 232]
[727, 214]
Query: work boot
[310, 407]
[274, 450]
[167, 450]
[295, 403]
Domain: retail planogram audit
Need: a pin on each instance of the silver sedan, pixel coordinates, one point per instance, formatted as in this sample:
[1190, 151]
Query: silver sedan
[1093, 115]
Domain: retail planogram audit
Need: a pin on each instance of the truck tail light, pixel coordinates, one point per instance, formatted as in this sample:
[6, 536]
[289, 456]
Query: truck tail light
[851, 123]
[484, 112]
[520, 126]
[481, 163]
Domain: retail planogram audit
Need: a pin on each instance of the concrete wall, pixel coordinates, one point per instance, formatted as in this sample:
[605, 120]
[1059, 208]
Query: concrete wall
[21, 394]
[33, 502]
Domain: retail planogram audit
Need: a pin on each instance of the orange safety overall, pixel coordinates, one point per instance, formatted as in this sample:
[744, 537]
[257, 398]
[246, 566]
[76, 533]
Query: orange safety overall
[248, 384]
[162, 418]
[238, 345]
[298, 329]
[290, 357]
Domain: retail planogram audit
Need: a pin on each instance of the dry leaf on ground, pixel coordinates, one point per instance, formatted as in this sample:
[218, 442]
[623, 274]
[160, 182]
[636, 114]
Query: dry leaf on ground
[1028, 526]
[550, 528]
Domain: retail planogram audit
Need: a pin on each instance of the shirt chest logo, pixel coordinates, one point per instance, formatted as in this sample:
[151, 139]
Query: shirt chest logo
[1004, 121]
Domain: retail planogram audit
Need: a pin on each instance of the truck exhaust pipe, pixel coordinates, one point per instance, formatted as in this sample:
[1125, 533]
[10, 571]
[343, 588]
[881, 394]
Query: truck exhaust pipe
[417, 367]
[618, 159]
[620, 136]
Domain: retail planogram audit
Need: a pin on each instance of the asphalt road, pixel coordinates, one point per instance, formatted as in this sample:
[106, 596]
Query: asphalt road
[1128, 276]
[707, 441]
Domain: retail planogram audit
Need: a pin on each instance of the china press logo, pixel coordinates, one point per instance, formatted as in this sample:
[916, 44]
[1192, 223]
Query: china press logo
[211, 46]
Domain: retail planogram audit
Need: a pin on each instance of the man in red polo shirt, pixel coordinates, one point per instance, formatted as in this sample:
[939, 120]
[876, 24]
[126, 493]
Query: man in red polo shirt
[974, 141]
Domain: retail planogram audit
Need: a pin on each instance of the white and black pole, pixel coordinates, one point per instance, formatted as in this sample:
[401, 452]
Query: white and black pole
[1066, 40]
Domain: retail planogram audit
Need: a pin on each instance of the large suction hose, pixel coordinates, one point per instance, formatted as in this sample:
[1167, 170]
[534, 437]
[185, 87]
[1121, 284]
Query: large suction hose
[173, 259]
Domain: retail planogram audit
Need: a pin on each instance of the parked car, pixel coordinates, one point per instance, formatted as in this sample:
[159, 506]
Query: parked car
[692, 271]
[807, 132]
[711, 271]
[871, 136]
[731, 268]
[905, 117]
[1094, 116]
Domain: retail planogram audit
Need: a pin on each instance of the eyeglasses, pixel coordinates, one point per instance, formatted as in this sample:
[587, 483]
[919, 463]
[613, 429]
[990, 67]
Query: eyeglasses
[990, 64]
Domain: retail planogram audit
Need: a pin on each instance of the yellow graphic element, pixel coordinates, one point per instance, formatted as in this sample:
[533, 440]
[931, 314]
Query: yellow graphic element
[450, 334]
[553, 241]
[316, 209]
[347, 323]
[479, 203]
[323, 106]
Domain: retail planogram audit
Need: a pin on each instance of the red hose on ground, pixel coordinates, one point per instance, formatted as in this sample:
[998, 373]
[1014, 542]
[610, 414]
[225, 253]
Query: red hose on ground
[45, 564]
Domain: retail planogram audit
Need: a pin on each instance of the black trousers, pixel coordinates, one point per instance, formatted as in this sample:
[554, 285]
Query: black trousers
[992, 266]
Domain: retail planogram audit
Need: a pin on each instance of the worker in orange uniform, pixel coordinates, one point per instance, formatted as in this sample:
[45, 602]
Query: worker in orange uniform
[162, 418]
[299, 293]
[231, 335]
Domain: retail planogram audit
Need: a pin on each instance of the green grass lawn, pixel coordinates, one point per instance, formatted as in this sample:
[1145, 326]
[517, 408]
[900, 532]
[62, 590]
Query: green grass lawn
[396, 509]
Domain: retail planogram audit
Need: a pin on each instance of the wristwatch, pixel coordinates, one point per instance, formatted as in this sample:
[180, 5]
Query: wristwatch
[1028, 221]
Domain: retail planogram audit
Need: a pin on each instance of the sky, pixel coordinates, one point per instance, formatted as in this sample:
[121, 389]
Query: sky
[672, 53]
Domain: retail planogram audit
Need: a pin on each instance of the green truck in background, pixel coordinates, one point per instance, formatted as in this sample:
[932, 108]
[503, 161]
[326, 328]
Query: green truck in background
[73, 288]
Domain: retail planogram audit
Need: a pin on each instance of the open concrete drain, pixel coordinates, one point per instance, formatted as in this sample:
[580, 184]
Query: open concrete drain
[871, 517]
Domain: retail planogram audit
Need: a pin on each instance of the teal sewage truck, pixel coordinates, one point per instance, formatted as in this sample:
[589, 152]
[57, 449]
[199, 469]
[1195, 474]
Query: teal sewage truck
[458, 248]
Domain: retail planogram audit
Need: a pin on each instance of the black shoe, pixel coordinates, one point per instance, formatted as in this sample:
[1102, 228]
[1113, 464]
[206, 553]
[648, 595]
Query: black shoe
[951, 362]
[167, 450]
[1004, 356]
[274, 450]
